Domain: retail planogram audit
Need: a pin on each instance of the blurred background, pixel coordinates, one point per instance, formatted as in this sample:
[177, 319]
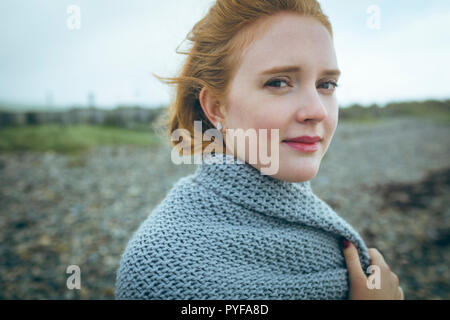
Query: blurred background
[83, 160]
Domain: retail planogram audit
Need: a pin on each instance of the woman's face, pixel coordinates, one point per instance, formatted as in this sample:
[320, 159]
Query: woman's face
[285, 81]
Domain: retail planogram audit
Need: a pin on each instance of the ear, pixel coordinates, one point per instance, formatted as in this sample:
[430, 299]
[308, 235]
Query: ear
[211, 106]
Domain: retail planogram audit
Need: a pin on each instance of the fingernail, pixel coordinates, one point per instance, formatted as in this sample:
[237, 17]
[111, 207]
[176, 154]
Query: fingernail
[345, 243]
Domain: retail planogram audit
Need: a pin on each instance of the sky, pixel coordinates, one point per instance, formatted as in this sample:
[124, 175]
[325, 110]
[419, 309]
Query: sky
[387, 50]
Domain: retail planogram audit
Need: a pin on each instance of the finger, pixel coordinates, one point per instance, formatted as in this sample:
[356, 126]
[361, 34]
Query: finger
[395, 278]
[401, 294]
[377, 258]
[352, 260]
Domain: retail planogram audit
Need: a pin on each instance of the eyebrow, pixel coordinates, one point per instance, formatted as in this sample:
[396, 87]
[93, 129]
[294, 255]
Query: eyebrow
[330, 72]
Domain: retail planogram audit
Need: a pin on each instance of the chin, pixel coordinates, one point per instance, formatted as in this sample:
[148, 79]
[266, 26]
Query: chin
[301, 177]
[295, 174]
[297, 170]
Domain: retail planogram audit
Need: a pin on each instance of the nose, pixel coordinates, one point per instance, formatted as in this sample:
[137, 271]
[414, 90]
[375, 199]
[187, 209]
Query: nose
[310, 107]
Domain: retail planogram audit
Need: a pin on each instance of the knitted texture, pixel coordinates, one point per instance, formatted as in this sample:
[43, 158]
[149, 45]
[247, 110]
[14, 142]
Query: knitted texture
[229, 232]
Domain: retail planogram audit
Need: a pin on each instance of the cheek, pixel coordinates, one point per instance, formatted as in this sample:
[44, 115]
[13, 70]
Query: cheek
[269, 120]
[272, 116]
[237, 109]
[329, 125]
[332, 119]
[249, 112]
[250, 108]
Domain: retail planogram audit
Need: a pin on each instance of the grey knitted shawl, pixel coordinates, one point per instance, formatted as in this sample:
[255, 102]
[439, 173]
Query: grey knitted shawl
[229, 232]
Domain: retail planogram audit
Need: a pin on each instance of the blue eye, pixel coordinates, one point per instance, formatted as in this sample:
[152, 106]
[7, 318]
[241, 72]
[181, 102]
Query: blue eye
[277, 83]
[335, 85]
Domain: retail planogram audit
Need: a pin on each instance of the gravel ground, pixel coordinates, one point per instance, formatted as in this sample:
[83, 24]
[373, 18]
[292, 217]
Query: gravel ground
[390, 180]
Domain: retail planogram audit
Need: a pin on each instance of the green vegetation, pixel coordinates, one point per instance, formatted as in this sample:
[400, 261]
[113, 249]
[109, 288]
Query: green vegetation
[71, 139]
[430, 109]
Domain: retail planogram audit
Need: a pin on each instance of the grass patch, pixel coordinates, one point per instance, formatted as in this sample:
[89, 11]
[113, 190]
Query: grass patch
[443, 119]
[435, 110]
[71, 139]
[363, 120]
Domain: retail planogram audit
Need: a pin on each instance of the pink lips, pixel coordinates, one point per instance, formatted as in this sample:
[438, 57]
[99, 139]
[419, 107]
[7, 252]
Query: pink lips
[304, 143]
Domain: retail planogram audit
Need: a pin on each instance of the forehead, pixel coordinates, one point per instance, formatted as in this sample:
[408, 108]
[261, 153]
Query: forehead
[288, 39]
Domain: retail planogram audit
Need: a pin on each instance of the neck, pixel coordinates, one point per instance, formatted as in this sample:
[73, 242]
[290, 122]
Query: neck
[245, 185]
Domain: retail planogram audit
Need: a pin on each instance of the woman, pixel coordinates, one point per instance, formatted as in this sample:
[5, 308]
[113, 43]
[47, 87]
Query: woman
[228, 231]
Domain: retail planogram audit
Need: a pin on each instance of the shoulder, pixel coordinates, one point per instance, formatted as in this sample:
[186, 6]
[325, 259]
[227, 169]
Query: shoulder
[147, 261]
[154, 258]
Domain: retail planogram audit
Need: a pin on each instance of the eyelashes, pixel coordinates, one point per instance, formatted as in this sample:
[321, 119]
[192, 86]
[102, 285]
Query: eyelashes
[282, 83]
[271, 83]
[276, 81]
[330, 82]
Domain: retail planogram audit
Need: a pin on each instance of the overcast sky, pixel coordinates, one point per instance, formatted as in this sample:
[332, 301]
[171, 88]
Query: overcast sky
[119, 43]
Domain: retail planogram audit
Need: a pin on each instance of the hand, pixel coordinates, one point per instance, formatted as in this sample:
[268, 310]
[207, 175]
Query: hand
[359, 290]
